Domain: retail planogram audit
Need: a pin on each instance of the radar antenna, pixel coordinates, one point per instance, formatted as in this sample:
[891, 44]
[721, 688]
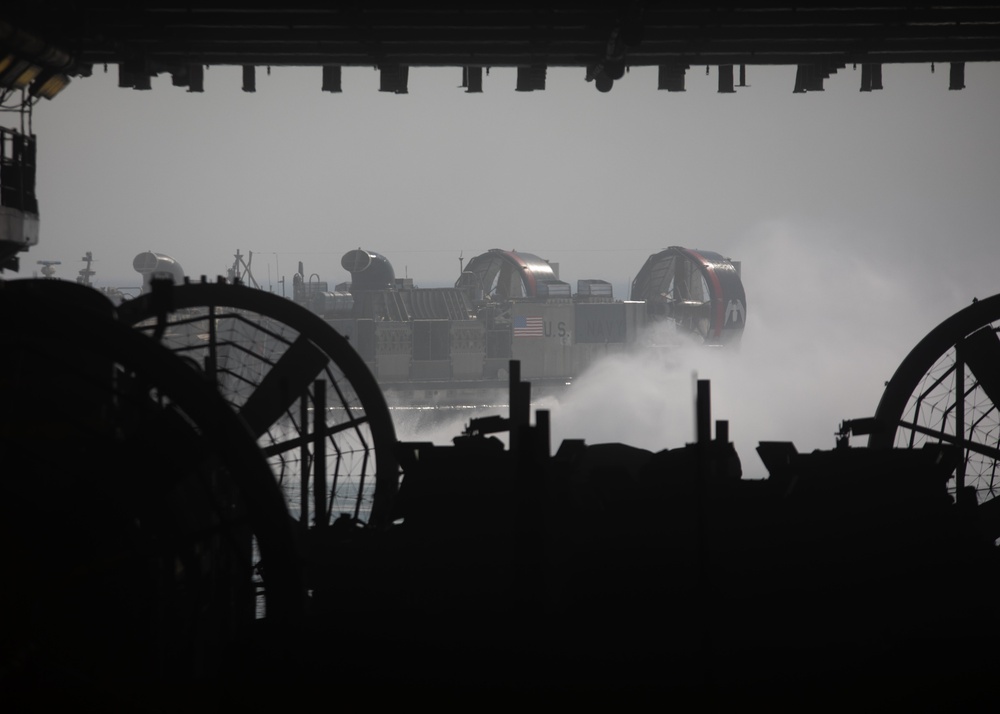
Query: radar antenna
[47, 270]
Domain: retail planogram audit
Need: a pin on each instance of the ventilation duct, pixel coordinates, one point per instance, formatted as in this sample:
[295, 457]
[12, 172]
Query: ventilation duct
[331, 78]
[530, 78]
[957, 76]
[801, 79]
[196, 78]
[671, 77]
[179, 76]
[369, 271]
[871, 77]
[249, 78]
[393, 78]
[472, 79]
[726, 79]
[154, 266]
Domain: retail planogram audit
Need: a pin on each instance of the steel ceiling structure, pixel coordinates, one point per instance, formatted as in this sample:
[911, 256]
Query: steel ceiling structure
[147, 38]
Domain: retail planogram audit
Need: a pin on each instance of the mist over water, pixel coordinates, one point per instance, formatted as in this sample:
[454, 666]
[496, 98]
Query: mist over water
[826, 327]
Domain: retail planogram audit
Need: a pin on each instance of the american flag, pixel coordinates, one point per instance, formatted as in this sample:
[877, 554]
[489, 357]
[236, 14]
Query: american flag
[527, 326]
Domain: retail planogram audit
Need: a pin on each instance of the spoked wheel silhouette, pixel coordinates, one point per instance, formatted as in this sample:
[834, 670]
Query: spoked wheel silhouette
[311, 402]
[141, 529]
[947, 390]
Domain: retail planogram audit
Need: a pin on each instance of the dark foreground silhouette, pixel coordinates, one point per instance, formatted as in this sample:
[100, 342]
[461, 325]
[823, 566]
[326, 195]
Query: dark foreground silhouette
[137, 526]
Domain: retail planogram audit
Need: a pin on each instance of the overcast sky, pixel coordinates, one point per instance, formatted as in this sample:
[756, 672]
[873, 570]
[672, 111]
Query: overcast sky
[861, 219]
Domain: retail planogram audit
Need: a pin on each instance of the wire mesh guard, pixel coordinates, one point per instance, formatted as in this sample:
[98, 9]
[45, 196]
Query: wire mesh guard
[135, 506]
[954, 402]
[303, 409]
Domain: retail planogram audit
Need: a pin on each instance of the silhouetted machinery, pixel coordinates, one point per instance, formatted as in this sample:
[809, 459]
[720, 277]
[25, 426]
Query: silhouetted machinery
[201, 460]
[947, 391]
[136, 509]
[170, 470]
[18, 202]
[317, 413]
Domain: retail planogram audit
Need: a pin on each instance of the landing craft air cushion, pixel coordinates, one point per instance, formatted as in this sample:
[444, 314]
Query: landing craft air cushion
[441, 345]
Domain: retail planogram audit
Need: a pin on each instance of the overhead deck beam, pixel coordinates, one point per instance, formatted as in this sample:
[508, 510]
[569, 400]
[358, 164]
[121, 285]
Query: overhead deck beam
[510, 34]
